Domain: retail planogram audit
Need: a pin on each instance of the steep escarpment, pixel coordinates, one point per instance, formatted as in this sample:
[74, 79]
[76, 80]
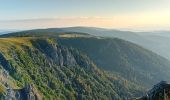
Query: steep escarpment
[57, 72]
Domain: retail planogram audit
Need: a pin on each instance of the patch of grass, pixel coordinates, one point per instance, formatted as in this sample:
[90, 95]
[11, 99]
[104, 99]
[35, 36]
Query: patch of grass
[73, 35]
[2, 88]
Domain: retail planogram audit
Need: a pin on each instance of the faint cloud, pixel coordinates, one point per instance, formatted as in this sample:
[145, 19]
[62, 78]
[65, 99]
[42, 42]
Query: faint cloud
[131, 22]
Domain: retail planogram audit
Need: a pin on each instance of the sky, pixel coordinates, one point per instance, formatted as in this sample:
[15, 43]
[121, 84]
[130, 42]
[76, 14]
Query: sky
[139, 15]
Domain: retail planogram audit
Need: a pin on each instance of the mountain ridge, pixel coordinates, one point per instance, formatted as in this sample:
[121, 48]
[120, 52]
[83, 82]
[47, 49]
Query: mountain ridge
[139, 38]
[63, 73]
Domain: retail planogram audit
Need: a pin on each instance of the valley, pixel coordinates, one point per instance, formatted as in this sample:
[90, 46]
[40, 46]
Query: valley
[72, 65]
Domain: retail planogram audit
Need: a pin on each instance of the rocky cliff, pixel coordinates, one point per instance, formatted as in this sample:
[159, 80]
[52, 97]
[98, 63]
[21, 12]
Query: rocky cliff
[160, 91]
[27, 93]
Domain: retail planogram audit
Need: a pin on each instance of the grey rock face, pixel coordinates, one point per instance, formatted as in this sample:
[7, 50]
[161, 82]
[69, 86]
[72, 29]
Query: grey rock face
[30, 93]
[27, 93]
[4, 62]
[58, 54]
[160, 91]
[61, 56]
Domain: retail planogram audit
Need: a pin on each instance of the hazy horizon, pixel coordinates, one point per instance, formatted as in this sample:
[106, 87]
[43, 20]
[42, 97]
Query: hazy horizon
[145, 15]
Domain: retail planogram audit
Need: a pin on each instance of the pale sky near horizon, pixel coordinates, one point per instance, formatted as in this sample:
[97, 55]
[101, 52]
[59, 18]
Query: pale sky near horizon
[117, 14]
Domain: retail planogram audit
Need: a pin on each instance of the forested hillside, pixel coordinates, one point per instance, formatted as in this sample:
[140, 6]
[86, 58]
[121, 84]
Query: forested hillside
[56, 71]
[129, 60]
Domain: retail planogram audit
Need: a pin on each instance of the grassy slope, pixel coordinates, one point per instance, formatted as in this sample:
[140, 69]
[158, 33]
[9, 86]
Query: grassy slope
[31, 60]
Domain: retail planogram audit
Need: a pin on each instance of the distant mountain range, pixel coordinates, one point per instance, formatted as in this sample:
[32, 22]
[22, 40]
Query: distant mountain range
[156, 33]
[144, 39]
[7, 31]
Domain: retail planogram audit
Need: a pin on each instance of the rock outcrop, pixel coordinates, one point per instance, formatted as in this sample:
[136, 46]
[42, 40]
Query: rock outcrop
[27, 93]
[160, 91]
